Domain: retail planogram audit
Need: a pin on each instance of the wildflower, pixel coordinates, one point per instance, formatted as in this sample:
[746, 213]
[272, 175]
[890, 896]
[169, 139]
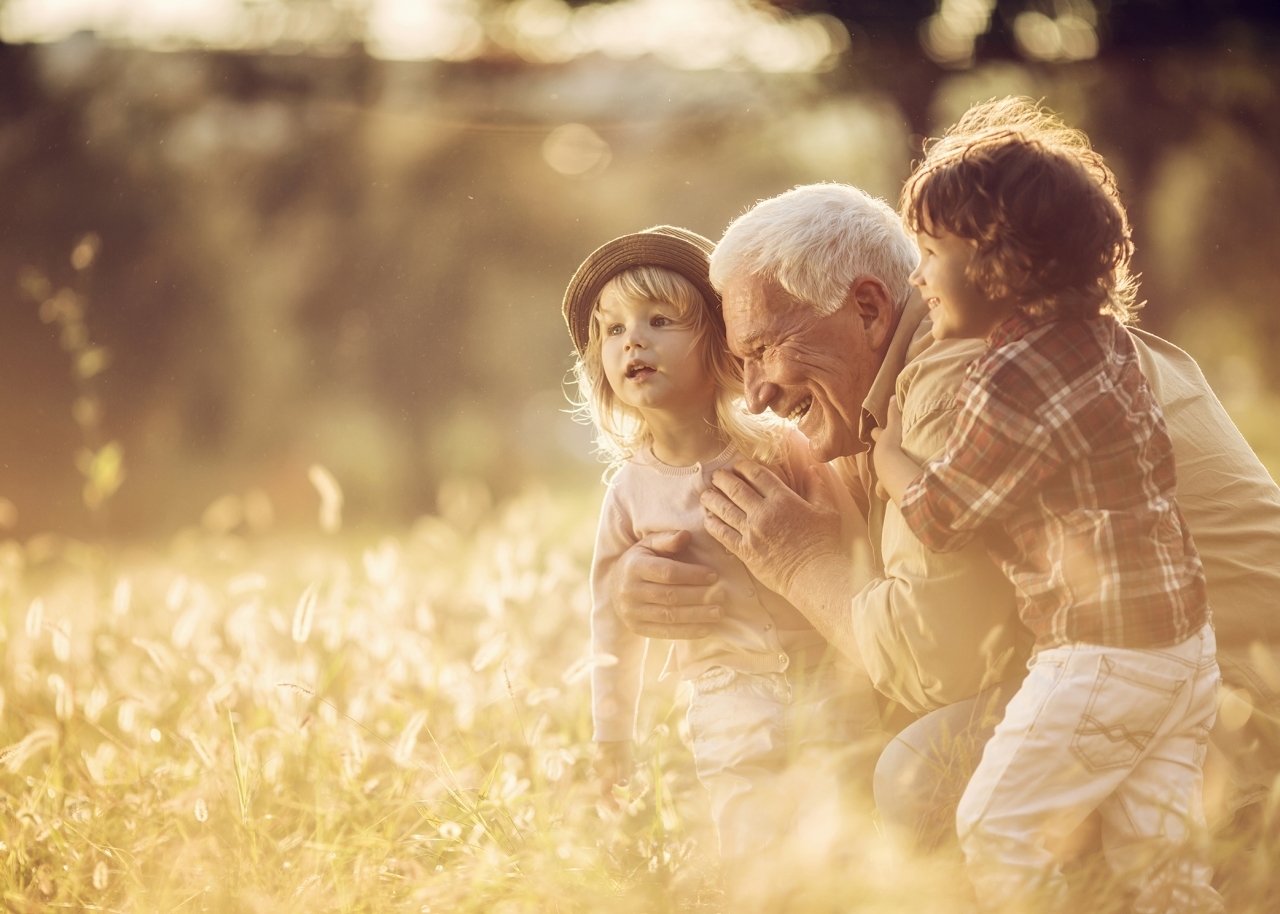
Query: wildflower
[538, 696]
[95, 704]
[581, 668]
[202, 810]
[330, 498]
[122, 596]
[64, 702]
[126, 716]
[489, 652]
[304, 614]
[409, 739]
[62, 641]
[100, 875]
[450, 831]
[295, 687]
[557, 763]
[35, 618]
[177, 592]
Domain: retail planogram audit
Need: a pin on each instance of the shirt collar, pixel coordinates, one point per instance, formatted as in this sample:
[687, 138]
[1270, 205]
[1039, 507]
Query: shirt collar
[1011, 329]
[912, 336]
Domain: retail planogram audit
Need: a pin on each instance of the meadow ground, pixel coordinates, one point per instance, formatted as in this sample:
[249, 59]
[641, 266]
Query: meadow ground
[381, 723]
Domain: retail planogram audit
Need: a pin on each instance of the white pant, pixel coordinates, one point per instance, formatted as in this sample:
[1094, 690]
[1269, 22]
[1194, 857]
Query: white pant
[746, 729]
[1092, 727]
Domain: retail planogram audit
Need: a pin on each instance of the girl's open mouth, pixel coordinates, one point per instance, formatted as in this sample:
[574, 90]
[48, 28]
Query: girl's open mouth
[640, 371]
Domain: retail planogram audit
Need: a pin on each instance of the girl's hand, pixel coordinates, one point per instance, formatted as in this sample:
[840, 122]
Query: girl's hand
[613, 765]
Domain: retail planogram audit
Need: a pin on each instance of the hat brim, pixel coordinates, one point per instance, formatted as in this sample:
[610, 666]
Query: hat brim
[672, 248]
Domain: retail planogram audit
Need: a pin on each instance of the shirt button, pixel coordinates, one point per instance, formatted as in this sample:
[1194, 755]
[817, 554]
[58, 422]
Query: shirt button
[751, 591]
[784, 659]
[768, 628]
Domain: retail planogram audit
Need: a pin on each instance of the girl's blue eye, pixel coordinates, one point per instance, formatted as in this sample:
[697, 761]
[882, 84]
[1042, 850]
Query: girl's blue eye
[660, 321]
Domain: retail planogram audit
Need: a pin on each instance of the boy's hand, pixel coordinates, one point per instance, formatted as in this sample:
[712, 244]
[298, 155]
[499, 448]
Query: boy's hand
[894, 469]
[891, 434]
[613, 765]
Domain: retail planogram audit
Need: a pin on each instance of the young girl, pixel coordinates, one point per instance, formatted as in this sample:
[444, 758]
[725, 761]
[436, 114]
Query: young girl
[656, 378]
[1060, 459]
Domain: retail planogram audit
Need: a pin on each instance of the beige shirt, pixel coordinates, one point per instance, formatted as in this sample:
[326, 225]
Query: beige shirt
[935, 628]
[760, 632]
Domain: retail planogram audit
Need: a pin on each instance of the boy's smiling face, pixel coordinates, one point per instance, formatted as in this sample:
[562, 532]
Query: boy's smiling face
[958, 308]
[650, 355]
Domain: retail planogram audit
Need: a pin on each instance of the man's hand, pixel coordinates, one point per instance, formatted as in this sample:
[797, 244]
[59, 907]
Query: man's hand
[659, 597]
[775, 531]
[613, 766]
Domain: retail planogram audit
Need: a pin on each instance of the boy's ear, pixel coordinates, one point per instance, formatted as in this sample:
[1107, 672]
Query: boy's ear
[875, 307]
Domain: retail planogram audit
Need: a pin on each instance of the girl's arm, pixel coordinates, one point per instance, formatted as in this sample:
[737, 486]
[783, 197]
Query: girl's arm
[615, 683]
[894, 468]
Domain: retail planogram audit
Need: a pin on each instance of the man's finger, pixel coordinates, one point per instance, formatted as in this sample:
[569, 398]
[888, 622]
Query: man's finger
[716, 503]
[671, 632]
[722, 533]
[761, 478]
[669, 542]
[659, 570]
[738, 490]
[651, 594]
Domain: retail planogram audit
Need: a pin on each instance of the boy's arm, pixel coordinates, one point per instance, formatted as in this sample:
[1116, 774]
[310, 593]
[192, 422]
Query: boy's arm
[996, 454]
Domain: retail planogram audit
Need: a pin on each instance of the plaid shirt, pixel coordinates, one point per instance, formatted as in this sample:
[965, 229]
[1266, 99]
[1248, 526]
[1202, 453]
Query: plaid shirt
[1060, 457]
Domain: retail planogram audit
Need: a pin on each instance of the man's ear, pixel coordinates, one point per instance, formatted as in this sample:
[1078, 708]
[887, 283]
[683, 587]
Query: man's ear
[875, 307]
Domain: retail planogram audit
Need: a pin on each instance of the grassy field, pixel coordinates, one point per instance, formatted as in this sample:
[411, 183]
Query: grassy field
[375, 723]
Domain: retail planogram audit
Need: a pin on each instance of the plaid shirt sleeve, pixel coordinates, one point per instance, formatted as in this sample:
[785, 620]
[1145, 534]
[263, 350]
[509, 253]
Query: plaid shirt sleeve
[999, 450]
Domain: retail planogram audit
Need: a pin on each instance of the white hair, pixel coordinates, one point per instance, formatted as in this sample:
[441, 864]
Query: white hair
[815, 240]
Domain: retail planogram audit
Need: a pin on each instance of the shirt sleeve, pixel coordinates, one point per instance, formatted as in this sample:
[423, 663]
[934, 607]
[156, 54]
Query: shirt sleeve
[615, 687]
[997, 453]
[934, 628]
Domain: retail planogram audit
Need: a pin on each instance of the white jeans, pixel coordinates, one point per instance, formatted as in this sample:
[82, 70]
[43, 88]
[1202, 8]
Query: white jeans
[747, 729]
[1120, 731]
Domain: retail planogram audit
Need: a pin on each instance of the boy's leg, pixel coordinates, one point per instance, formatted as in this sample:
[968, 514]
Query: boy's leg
[1070, 736]
[1153, 825]
[737, 725]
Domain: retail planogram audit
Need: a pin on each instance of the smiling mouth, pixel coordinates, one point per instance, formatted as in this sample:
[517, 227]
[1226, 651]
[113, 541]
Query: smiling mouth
[801, 410]
[932, 302]
[639, 370]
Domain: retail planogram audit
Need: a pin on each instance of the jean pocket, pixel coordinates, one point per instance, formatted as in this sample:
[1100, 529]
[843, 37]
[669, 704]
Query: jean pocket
[1124, 714]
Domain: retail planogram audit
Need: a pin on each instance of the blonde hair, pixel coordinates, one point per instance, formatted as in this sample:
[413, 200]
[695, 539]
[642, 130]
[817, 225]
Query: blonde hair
[621, 432]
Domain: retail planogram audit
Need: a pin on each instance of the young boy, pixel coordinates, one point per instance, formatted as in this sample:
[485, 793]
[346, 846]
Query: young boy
[1060, 459]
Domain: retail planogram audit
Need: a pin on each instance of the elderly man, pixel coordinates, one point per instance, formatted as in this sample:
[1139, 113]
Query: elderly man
[817, 305]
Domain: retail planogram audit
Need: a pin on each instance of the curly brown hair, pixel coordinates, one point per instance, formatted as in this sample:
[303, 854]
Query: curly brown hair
[1040, 204]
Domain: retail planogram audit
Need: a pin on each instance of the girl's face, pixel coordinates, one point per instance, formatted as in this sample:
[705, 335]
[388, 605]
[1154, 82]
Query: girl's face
[651, 356]
[958, 308]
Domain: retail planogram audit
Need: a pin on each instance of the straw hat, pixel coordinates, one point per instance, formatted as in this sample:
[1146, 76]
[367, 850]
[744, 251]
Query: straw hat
[675, 249]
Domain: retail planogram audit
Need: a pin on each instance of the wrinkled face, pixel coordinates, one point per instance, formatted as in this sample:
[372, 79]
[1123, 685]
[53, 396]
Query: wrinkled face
[959, 310]
[812, 370]
[650, 355]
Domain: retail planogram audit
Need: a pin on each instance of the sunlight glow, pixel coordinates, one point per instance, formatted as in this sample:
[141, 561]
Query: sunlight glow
[686, 34]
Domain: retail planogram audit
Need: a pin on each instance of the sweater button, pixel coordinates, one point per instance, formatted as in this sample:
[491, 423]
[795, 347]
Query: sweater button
[784, 659]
